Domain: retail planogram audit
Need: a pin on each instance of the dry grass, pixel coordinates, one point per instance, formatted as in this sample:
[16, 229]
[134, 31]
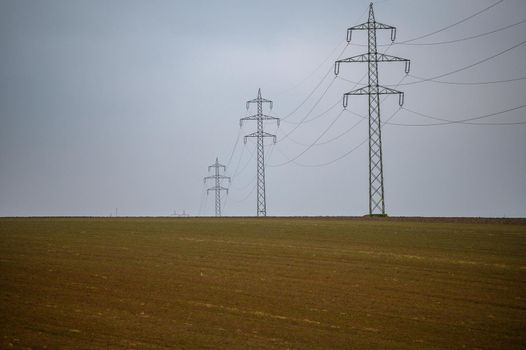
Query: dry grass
[261, 284]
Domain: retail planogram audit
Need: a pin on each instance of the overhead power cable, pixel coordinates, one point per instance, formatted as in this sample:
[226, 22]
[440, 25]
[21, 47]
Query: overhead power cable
[346, 154]
[332, 138]
[465, 67]
[279, 94]
[203, 193]
[234, 148]
[308, 96]
[252, 182]
[310, 146]
[410, 41]
[315, 88]
[352, 150]
[309, 112]
[436, 77]
[324, 61]
[470, 82]
[326, 130]
[317, 116]
[248, 195]
[462, 39]
[452, 25]
[240, 170]
[469, 120]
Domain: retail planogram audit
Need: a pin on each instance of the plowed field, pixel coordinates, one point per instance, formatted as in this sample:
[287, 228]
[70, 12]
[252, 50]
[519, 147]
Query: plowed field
[275, 283]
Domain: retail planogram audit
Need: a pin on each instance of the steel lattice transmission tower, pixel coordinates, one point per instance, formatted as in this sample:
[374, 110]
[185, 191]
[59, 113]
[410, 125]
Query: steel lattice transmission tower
[374, 90]
[260, 134]
[217, 186]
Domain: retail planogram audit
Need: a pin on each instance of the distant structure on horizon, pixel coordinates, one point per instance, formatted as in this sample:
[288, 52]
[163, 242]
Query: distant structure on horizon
[180, 215]
[217, 177]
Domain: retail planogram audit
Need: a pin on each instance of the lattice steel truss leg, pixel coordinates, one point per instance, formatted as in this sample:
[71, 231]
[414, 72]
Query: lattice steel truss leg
[373, 90]
[260, 135]
[217, 177]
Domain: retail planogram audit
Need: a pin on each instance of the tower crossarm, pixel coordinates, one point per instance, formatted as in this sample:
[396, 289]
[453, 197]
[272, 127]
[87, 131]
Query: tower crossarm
[259, 100]
[361, 91]
[388, 58]
[257, 117]
[217, 188]
[379, 90]
[217, 165]
[371, 25]
[257, 134]
[358, 58]
[378, 57]
[262, 100]
[365, 26]
[208, 178]
[221, 177]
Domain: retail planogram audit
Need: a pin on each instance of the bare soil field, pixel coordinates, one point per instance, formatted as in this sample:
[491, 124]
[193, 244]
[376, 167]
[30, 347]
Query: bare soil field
[275, 283]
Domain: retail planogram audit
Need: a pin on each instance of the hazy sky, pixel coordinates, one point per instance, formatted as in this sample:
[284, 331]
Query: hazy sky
[124, 104]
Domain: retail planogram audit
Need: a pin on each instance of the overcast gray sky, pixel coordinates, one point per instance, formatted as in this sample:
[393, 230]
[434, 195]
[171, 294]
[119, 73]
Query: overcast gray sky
[124, 104]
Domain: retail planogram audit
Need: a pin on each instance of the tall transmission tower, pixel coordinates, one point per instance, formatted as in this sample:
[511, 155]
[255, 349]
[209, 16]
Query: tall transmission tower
[374, 90]
[260, 135]
[217, 177]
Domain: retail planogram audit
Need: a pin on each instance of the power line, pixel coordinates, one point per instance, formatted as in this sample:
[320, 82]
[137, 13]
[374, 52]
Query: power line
[313, 90]
[452, 25]
[348, 130]
[203, 194]
[362, 118]
[468, 83]
[234, 148]
[325, 60]
[314, 71]
[308, 96]
[472, 82]
[310, 146]
[310, 111]
[465, 67]
[346, 154]
[340, 157]
[250, 183]
[463, 39]
[247, 196]
[244, 187]
[304, 120]
[323, 78]
[410, 41]
[333, 138]
[355, 84]
[434, 78]
[237, 171]
[469, 120]
[315, 117]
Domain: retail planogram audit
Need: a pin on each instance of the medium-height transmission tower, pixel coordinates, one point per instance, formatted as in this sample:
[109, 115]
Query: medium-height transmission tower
[260, 135]
[217, 186]
[376, 174]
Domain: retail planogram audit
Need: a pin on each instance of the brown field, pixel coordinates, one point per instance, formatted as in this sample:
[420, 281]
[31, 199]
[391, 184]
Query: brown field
[234, 283]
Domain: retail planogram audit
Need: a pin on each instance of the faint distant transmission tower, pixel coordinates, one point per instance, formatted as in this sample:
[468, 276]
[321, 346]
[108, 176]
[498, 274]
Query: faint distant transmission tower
[376, 175]
[217, 186]
[260, 135]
